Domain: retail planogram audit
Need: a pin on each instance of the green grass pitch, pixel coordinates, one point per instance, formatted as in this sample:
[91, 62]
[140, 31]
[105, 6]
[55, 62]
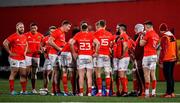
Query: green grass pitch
[6, 97]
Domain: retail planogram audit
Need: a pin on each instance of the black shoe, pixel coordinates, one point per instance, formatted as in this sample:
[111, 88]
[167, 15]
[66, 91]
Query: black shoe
[133, 94]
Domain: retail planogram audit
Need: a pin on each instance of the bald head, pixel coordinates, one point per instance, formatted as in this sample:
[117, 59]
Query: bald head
[20, 28]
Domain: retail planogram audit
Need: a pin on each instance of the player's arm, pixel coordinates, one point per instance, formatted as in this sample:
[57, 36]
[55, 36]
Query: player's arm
[26, 48]
[51, 42]
[143, 42]
[125, 48]
[42, 44]
[97, 44]
[72, 42]
[6, 46]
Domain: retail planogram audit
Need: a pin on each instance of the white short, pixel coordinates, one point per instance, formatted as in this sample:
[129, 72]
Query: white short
[115, 64]
[17, 63]
[66, 59]
[32, 61]
[149, 62]
[47, 65]
[53, 58]
[103, 61]
[123, 64]
[84, 61]
[95, 61]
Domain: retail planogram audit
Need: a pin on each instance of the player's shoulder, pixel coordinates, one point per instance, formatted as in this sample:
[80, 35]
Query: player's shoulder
[12, 35]
[40, 34]
[27, 33]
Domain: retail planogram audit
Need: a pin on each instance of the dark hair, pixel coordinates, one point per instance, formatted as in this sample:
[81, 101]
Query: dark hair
[123, 27]
[33, 24]
[84, 25]
[148, 23]
[52, 27]
[102, 23]
[65, 22]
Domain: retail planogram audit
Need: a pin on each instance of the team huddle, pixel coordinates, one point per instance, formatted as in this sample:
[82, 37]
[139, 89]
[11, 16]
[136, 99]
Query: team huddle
[84, 58]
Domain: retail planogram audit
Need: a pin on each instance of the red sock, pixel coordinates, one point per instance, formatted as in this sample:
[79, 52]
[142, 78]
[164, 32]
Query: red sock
[99, 83]
[81, 90]
[118, 84]
[154, 82]
[124, 84]
[147, 85]
[65, 84]
[108, 83]
[89, 89]
[135, 85]
[11, 85]
[23, 85]
[53, 87]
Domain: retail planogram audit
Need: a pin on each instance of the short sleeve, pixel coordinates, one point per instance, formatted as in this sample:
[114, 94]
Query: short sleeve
[54, 34]
[10, 38]
[76, 36]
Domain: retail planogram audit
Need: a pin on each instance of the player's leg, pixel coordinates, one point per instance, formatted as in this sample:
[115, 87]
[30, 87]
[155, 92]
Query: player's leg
[23, 76]
[140, 77]
[115, 69]
[135, 84]
[98, 75]
[65, 79]
[89, 72]
[12, 76]
[123, 67]
[14, 65]
[147, 80]
[28, 60]
[107, 67]
[154, 82]
[89, 80]
[81, 72]
[35, 66]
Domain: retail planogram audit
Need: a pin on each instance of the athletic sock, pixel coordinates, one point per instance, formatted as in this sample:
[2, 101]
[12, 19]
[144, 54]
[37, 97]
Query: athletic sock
[11, 85]
[147, 86]
[89, 89]
[108, 84]
[23, 85]
[135, 85]
[154, 82]
[65, 84]
[99, 84]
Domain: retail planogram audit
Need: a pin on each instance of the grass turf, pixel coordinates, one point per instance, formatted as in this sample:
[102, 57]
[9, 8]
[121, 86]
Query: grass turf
[5, 97]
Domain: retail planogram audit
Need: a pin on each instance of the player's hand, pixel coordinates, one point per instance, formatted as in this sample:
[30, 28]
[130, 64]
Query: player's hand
[121, 57]
[95, 55]
[75, 55]
[12, 54]
[40, 51]
[28, 51]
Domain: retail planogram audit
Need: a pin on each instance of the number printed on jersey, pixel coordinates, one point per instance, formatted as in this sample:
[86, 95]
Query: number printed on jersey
[104, 42]
[85, 46]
